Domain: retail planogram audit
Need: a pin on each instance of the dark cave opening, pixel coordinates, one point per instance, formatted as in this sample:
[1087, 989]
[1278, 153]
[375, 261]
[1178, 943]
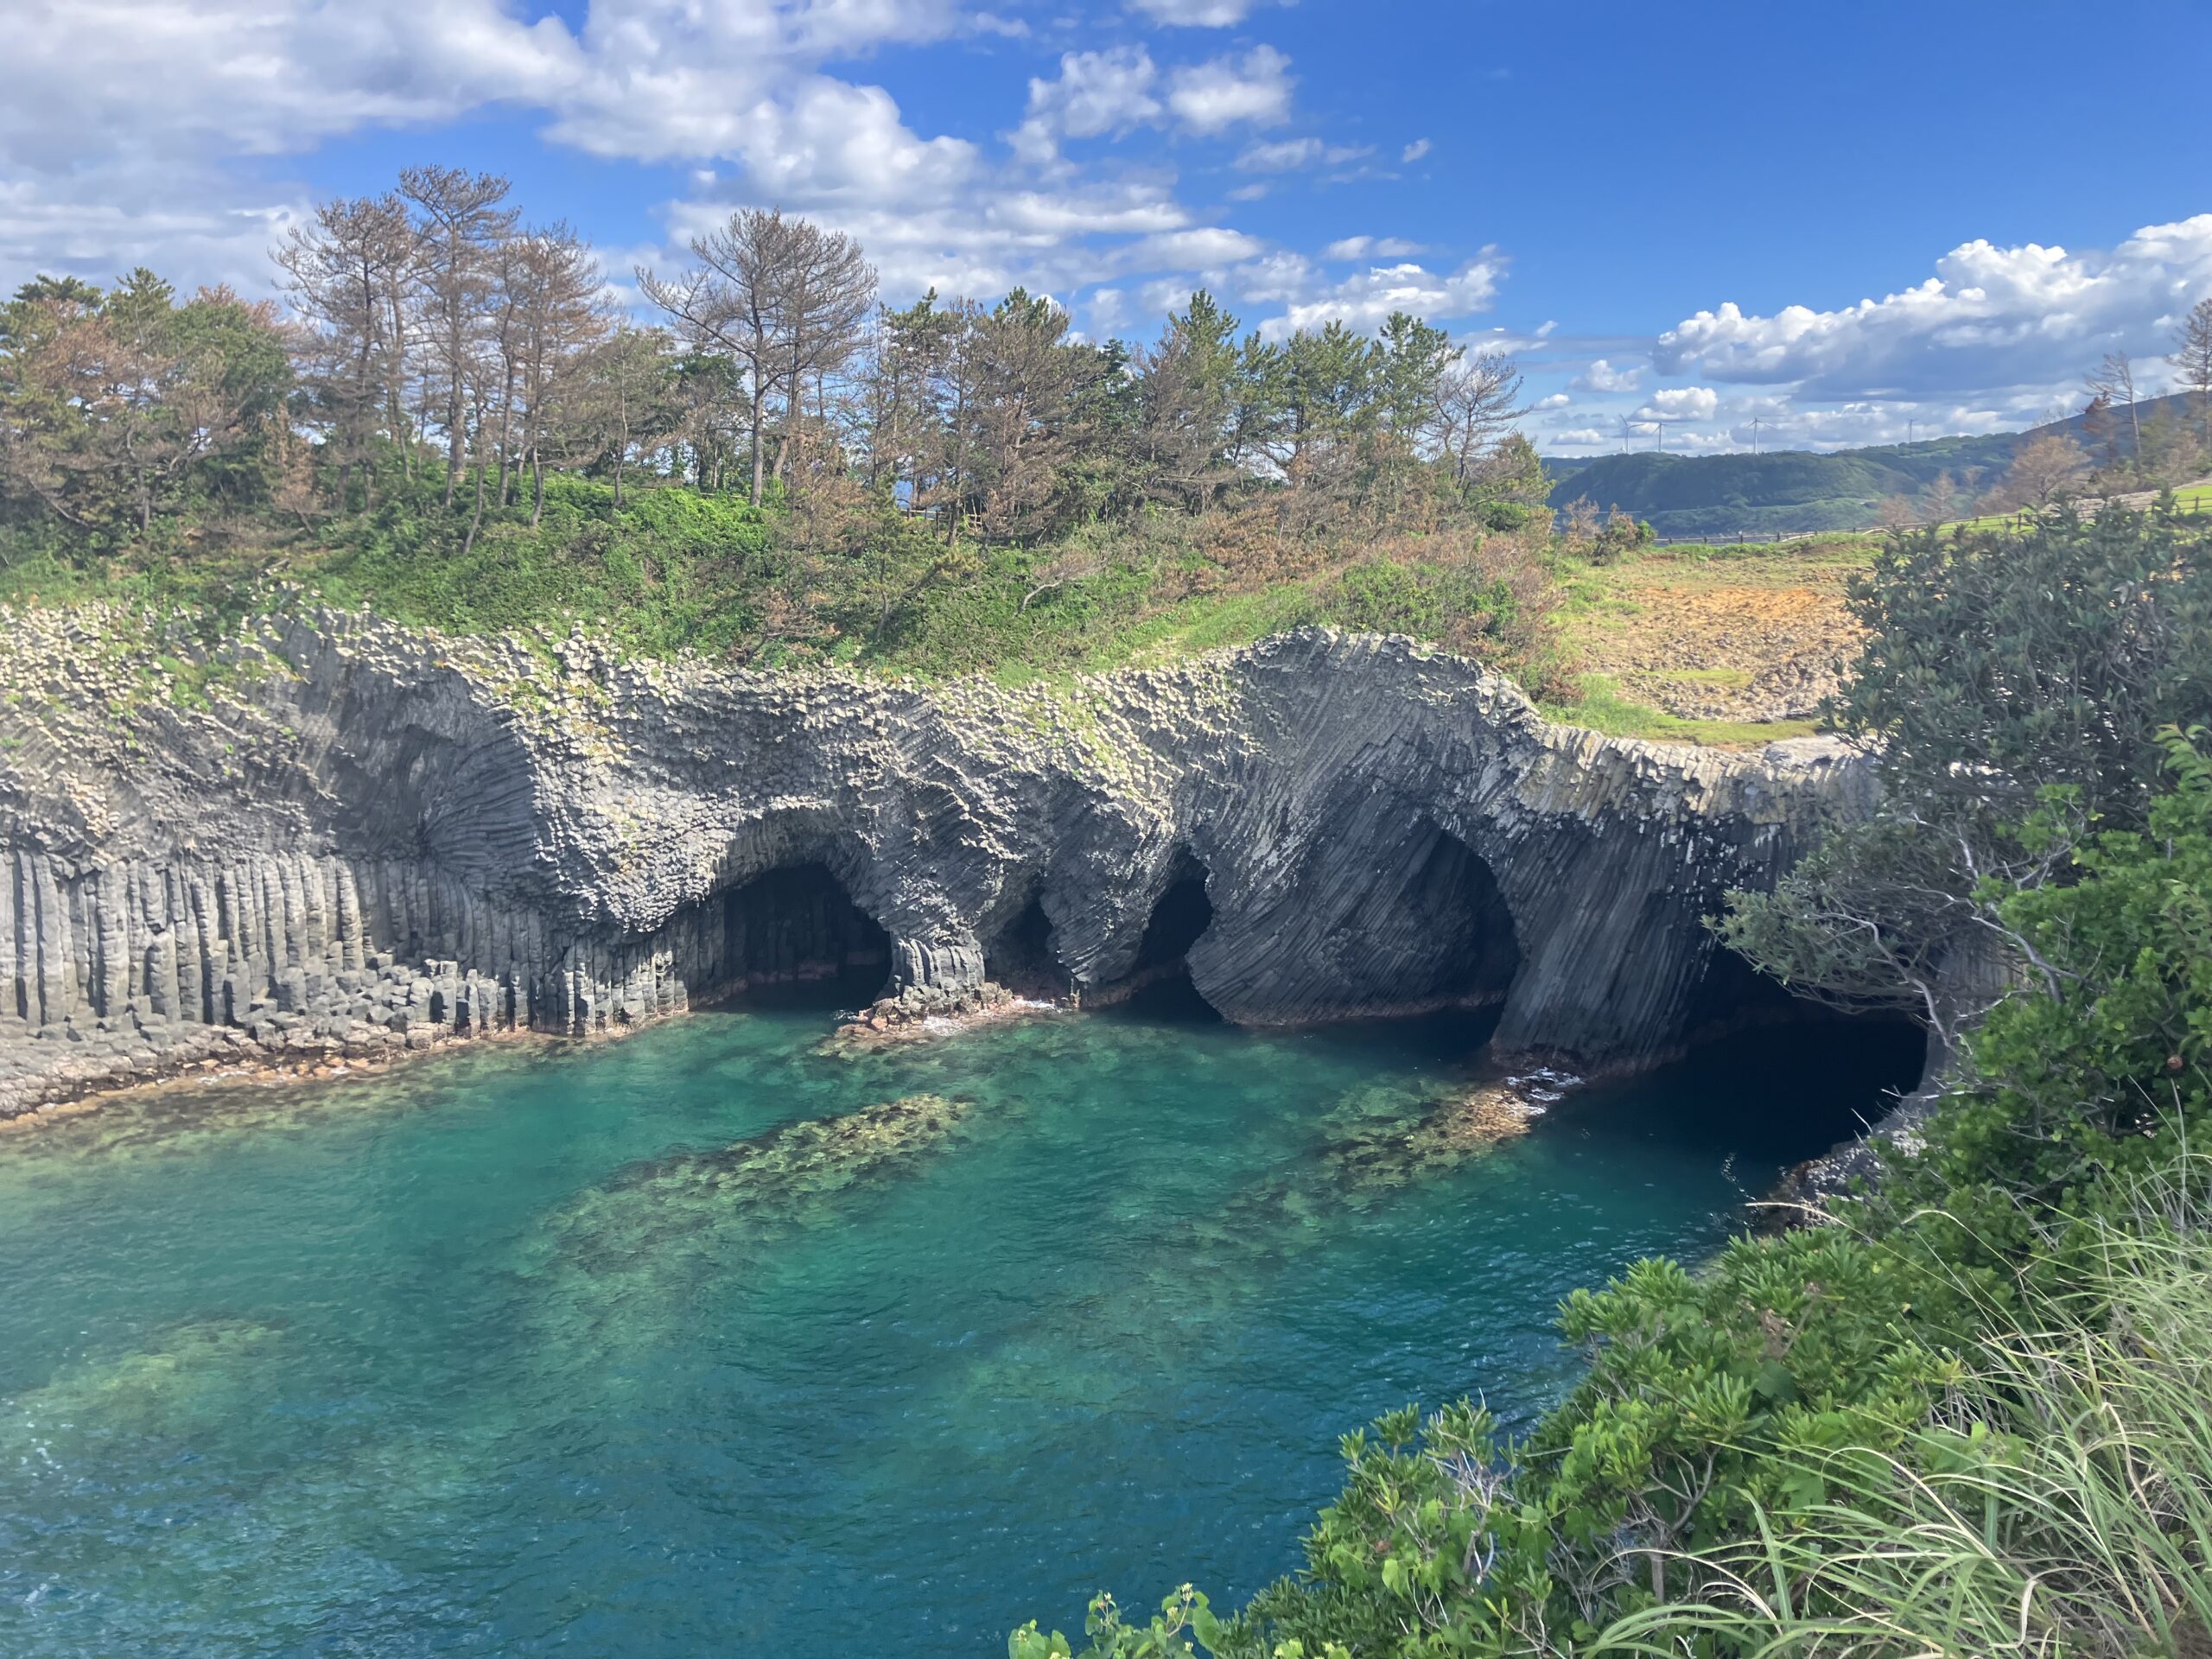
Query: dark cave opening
[1021, 957]
[1158, 985]
[1735, 997]
[1772, 1093]
[1790, 1072]
[1480, 951]
[1179, 918]
[794, 934]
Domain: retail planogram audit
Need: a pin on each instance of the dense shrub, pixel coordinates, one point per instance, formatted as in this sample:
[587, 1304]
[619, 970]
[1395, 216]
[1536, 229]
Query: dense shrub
[666, 570]
[1996, 667]
[855, 580]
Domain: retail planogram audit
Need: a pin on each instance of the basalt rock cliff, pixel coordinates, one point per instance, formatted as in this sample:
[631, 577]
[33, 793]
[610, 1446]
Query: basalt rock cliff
[335, 833]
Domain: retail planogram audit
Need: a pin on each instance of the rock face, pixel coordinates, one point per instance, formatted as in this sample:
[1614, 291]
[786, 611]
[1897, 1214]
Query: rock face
[339, 833]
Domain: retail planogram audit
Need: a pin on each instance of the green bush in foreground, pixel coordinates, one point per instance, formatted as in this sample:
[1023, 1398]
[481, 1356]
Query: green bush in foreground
[1850, 1374]
[2061, 1503]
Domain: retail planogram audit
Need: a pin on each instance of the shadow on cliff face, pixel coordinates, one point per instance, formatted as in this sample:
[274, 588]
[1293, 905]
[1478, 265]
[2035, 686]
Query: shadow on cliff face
[793, 937]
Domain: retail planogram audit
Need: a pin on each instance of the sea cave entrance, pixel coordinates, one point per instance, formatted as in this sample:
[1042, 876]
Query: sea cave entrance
[1021, 957]
[1471, 951]
[1158, 983]
[1818, 1064]
[795, 934]
[1179, 918]
[1775, 1092]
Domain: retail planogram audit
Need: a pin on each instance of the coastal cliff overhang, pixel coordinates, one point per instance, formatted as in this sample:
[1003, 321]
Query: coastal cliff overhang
[1378, 826]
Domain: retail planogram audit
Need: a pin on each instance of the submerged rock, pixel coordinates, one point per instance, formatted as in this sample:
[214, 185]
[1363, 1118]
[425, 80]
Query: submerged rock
[1436, 1140]
[1391, 1135]
[753, 1186]
[622, 1270]
[188, 1376]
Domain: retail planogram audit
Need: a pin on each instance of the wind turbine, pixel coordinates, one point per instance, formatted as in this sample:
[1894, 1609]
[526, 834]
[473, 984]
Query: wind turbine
[1758, 421]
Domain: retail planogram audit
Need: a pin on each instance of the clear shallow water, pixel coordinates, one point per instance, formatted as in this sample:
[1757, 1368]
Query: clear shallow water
[463, 1360]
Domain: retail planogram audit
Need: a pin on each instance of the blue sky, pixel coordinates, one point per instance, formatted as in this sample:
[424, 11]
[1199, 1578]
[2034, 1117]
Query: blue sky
[1849, 221]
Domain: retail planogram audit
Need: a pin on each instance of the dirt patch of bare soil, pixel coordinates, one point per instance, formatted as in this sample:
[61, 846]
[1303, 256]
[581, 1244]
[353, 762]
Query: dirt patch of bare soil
[1720, 650]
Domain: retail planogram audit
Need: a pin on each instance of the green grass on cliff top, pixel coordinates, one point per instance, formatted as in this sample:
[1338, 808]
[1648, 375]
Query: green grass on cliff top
[671, 570]
[1598, 706]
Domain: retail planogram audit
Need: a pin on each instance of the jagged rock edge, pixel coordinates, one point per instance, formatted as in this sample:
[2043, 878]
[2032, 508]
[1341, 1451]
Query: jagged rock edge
[335, 832]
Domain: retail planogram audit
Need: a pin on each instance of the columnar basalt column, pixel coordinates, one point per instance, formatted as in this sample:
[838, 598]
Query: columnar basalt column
[379, 835]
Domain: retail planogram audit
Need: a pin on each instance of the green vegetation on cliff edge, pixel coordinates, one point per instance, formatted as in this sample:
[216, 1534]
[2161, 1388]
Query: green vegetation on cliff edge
[470, 439]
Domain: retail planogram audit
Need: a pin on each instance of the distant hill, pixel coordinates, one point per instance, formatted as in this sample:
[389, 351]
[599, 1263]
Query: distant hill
[1789, 491]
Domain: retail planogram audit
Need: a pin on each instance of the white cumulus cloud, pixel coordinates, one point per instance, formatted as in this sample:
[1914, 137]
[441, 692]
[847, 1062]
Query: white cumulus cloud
[1276, 278]
[1362, 301]
[1292, 155]
[92, 78]
[128, 117]
[1602, 376]
[1991, 318]
[1371, 247]
[1206, 248]
[1114, 92]
[1108, 314]
[1095, 92]
[829, 141]
[1681, 404]
[1196, 14]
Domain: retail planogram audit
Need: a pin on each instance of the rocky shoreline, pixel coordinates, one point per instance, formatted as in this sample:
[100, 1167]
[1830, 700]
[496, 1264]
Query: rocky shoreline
[329, 835]
[211, 1054]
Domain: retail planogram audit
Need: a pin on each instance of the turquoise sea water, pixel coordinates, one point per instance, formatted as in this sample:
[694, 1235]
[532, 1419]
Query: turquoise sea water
[510, 1352]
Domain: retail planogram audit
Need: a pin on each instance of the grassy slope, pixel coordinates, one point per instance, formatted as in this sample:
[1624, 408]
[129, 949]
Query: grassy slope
[671, 570]
[1599, 706]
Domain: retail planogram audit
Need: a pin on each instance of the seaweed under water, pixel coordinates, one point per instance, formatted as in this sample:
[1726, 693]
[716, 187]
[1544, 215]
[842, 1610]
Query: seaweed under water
[707, 1341]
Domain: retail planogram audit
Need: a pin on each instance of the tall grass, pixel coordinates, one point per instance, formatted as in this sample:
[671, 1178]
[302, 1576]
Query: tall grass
[2058, 1506]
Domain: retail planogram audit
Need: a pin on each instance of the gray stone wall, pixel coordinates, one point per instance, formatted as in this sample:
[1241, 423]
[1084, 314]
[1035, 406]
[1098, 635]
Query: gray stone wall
[339, 833]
